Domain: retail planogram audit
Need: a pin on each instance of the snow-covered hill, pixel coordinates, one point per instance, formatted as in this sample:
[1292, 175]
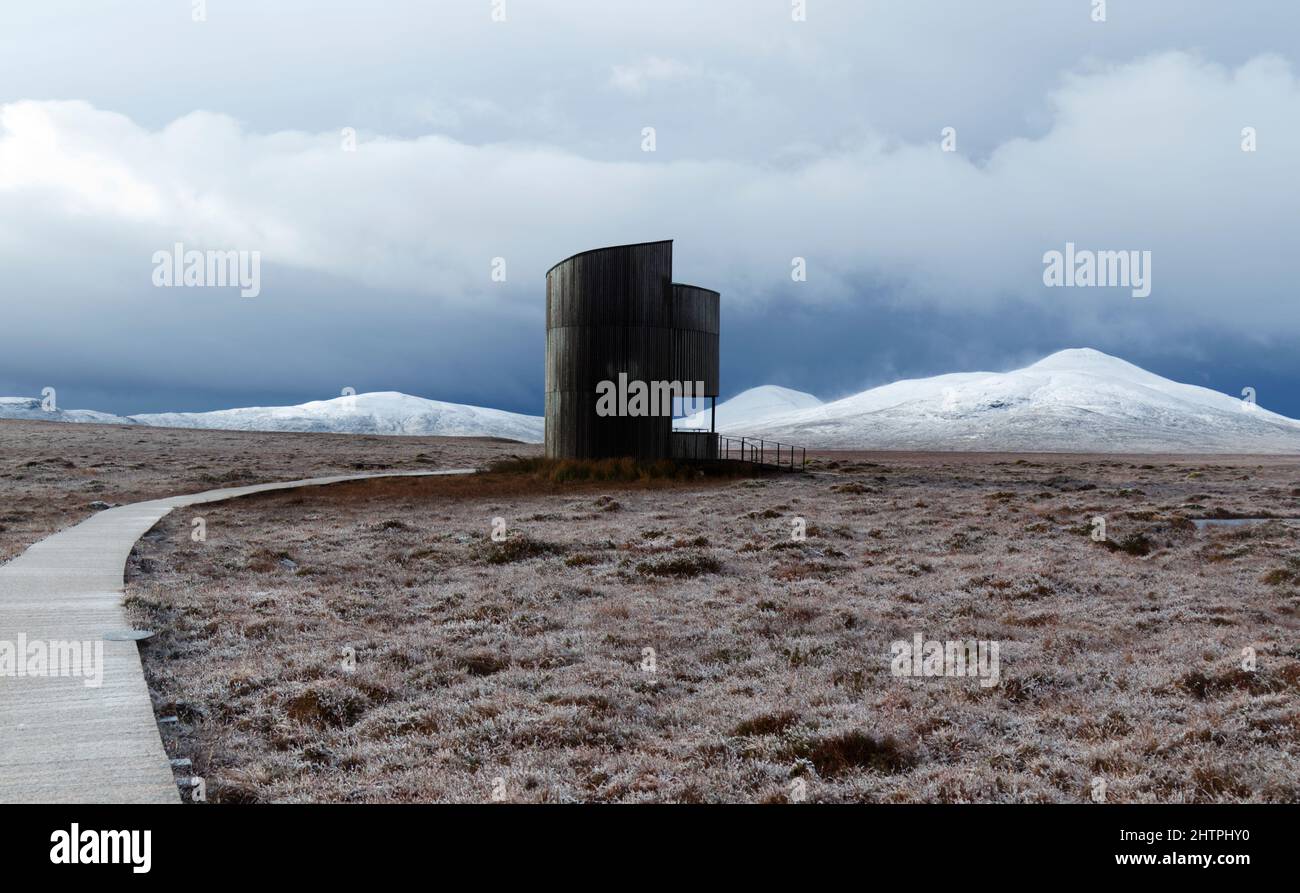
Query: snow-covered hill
[30, 408]
[1073, 401]
[382, 412]
[752, 407]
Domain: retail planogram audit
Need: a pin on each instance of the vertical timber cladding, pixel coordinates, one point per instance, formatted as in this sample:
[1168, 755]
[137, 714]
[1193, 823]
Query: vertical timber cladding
[695, 336]
[616, 310]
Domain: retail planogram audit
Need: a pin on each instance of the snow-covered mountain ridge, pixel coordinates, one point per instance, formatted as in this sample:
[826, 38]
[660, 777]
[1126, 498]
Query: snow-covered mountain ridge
[382, 412]
[1078, 400]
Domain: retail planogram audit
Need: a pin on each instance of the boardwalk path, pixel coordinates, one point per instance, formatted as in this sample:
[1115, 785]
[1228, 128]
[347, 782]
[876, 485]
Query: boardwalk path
[64, 742]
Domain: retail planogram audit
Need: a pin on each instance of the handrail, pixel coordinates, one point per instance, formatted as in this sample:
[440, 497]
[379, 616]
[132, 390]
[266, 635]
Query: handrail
[758, 451]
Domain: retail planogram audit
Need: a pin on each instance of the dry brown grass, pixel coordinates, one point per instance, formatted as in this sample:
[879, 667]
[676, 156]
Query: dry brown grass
[527, 675]
[55, 474]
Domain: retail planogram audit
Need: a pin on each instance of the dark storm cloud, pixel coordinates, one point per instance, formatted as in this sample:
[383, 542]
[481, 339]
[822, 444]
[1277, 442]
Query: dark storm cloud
[522, 141]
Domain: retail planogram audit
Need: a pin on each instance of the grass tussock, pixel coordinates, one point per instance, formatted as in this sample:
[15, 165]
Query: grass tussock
[1206, 686]
[766, 724]
[519, 547]
[680, 566]
[327, 705]
[1135, 544]
[855, 750]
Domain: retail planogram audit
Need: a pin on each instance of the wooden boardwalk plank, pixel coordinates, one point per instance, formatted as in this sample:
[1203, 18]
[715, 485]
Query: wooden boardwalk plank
[64, 742]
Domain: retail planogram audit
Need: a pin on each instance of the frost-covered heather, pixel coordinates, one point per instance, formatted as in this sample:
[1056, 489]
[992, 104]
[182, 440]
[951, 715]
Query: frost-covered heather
[53, 475]
[519, 670]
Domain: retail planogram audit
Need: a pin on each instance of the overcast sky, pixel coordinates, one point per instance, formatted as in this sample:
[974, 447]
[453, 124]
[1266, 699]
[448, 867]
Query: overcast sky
[126, 126]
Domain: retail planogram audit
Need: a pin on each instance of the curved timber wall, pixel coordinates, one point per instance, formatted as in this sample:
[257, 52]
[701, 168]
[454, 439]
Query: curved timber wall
[616, 310]
[695, 336]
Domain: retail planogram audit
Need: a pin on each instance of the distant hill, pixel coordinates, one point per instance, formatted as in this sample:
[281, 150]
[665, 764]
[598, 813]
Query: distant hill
[752, 407]
[1079, 400]
[381, 412]
[30, 408]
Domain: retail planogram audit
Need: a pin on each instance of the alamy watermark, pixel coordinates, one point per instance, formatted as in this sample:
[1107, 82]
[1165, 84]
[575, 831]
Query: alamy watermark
[180, 268]
[954, 658]
[1083, 268]
[641, 398]
[48, 659]
[89, 847]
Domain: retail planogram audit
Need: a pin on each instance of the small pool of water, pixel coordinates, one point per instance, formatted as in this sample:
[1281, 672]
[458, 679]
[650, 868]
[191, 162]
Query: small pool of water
[1202, 523]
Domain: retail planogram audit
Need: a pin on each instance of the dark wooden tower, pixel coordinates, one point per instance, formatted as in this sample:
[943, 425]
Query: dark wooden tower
[616, 310]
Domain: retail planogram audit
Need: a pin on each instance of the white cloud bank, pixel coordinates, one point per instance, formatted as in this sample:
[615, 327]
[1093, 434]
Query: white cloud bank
[1144, 156]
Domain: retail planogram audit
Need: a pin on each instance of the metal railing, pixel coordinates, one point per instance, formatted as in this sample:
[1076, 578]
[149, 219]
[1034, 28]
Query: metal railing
[761, 452]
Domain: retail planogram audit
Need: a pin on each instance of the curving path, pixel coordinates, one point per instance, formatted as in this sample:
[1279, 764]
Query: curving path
[64, 742]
